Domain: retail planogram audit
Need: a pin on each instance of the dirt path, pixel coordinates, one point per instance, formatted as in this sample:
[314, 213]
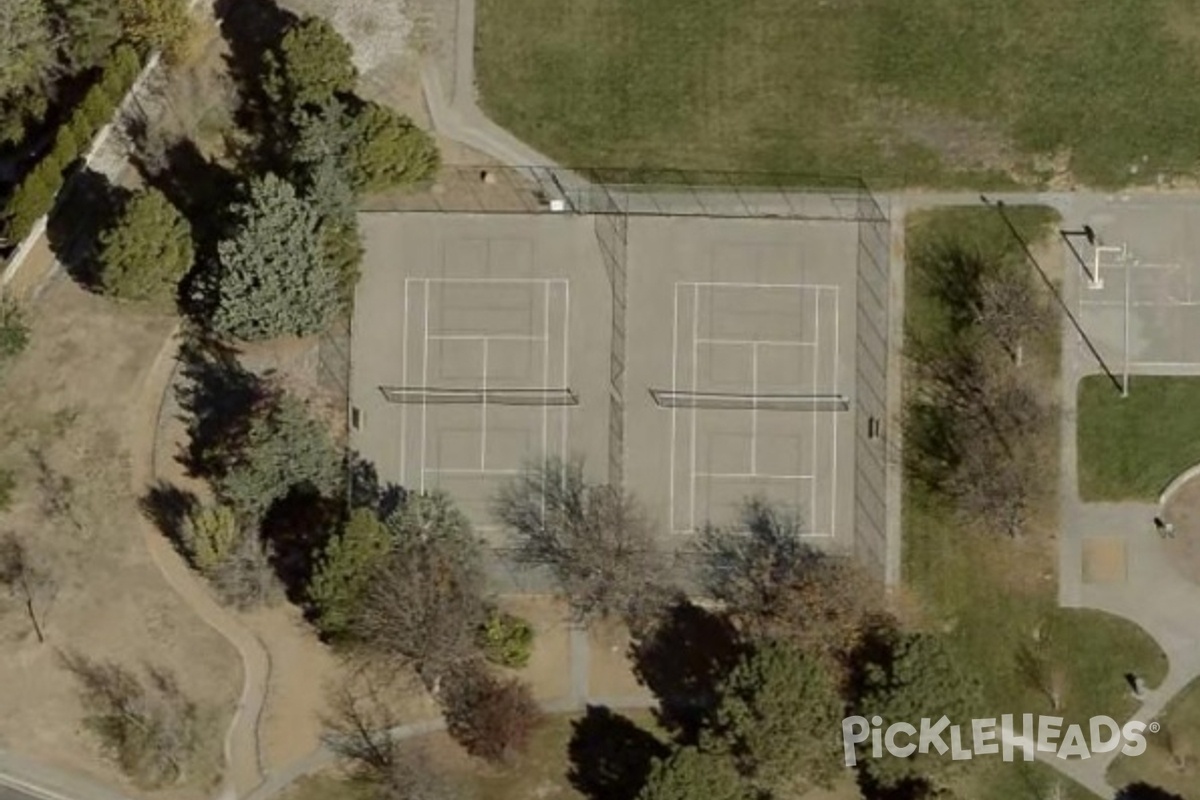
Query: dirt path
[241, 747]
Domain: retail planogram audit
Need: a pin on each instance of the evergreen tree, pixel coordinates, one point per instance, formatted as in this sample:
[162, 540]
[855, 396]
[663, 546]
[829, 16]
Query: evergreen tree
[147, 251]
[345, 570]
[311, 65]
[273, 278]
[689, 773]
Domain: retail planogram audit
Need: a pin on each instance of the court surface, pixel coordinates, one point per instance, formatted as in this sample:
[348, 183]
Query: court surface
[1144, 309]
[481, 343]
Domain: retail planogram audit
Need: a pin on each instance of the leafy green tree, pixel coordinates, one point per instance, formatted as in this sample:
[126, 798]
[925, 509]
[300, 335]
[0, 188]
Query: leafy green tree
[388, 150]
[27, 51]
[312, 64]
[155, 24]
[85, 29]
[148, 250]
[345, 569]
[284, 449]
[779, 714]
[689, 773]
[19, 111]
[211, 534]
[273, 278]
[917, 678]
[33, 198]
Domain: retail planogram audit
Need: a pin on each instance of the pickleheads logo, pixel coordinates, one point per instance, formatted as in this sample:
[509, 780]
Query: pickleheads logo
[987, 737]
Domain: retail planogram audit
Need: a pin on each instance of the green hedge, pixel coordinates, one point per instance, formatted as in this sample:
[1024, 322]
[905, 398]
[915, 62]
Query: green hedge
[34, 197]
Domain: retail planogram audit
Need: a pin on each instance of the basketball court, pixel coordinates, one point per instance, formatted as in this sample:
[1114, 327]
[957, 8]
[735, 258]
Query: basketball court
[1138, 285]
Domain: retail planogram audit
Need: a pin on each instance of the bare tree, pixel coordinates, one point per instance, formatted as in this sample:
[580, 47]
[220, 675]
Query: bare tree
[245, 579]
[359, 729]
[776, 586]
[1011, 310]
[491, 718]
[29, 580]
[148, 726]
[597, 540]
[57, 491]
[425, 605]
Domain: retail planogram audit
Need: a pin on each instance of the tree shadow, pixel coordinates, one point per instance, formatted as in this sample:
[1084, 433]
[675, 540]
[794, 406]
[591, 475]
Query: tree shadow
[368, 491]
[168, 506]
[253, 31]
[296, 530]
[88, 205]
[610, 755]
[909, 789]
[218, 397]
[683, 659]
[1144, 791]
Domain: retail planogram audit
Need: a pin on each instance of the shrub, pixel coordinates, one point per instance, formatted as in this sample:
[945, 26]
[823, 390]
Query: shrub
[311, 65]
[149, 727]
[491, 718]
[148, 249]
[388, 150]
[506, 639]
[211, 534]
[245, 579]
[14, 332]
[345, 571]
[32, 199]
[155, 24]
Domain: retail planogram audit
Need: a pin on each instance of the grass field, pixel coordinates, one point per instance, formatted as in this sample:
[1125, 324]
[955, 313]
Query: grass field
[997, 596]
[936, 92]
[1172, 757]
[1130, 448]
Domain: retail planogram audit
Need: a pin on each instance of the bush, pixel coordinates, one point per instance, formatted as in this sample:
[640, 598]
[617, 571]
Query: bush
[156, 25]
[245, 579]
[149, 727]
[211, 535]
[345, 571]
[388, 150]
[506, 639]
[147, 251]
[491, 718]
[14, 332]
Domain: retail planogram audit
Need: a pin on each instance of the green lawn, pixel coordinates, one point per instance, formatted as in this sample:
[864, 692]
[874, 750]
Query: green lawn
[1170, 760]
[935, 92]
[997, 596]
[1130, 448]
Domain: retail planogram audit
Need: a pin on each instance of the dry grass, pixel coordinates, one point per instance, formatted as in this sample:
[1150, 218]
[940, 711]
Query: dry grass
[65, 415]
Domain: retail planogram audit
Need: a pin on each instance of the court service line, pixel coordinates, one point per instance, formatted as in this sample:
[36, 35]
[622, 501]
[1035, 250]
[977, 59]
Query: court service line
[674, 388]
[473, 471]
[495, 280]
[565, 410]
[545, 385]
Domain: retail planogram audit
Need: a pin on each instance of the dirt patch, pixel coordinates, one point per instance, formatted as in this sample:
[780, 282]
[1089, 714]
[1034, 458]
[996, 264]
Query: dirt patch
[65, 410]
[548, 671]
[1183, 549]
[1103, 560]
[610, 672]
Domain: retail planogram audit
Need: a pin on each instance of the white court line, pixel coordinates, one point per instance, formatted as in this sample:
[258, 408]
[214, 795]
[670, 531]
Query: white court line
[747, 475]
[474, 337]
[695, 370]
[403, 443]
[833, 418]
[483, 408]
[425, 382]
[816, 378]
[565, 410]
[472, 471]
[674, 388]
[765, 342]
[494, 280]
